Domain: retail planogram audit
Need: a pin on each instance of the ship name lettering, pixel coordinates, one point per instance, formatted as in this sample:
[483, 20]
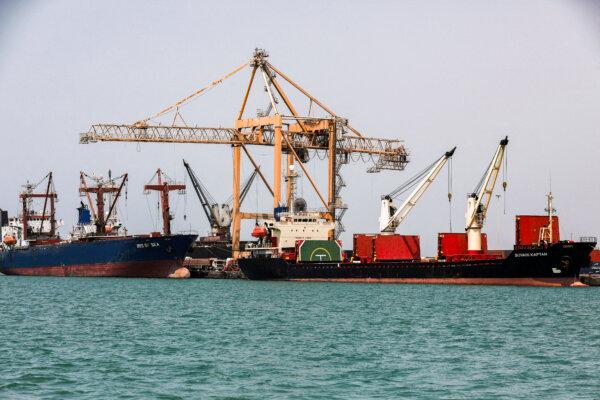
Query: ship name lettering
[146, 245]
[538, 254]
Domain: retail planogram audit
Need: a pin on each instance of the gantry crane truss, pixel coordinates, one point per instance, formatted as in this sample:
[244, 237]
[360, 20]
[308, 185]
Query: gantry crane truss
[288, 134]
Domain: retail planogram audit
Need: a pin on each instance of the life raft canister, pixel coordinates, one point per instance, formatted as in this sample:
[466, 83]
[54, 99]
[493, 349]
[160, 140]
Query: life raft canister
[9, 240]
[259, 231]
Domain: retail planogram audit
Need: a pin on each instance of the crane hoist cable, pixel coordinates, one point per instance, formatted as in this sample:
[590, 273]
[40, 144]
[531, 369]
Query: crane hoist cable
[450, 193]
[406, 186]
[482, 179]
[479, 200]
[211, 208]
[391, 216]
[504, 178]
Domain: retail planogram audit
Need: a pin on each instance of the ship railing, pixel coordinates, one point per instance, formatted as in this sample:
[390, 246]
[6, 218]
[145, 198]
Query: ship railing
[588, 239]
[529, 246]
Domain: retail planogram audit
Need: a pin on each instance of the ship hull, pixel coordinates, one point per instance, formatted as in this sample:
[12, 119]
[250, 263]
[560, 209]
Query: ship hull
[150, 257]
[556, 265]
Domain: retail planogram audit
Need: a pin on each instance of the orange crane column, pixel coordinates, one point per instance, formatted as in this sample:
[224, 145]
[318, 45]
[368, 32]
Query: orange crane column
[277, 163]
[331, 171]
[236, 216]
[235, 226]
[288, 186]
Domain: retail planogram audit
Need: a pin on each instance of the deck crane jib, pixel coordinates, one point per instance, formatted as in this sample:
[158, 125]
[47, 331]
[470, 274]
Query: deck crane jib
[479, 200]
[219, 215]
[107, 192]
[37, 221]
[392, 216]
[164, 185]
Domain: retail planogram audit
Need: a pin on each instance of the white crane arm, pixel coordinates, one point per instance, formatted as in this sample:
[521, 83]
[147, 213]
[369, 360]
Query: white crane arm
[387, 223]
[478, 209]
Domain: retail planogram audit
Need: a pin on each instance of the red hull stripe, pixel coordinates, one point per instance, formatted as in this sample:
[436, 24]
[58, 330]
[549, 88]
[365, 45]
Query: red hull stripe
[559, 281]
[131, 269]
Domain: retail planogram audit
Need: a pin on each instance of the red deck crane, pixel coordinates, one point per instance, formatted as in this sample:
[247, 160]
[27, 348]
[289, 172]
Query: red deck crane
[164, 186]
[28, 215]
[100, 189]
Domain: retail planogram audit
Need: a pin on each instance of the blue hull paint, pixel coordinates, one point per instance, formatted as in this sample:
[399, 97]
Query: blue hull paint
[122, 256]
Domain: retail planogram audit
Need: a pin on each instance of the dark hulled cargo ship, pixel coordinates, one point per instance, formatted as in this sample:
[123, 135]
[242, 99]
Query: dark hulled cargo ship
[538, 258]
[557, 264]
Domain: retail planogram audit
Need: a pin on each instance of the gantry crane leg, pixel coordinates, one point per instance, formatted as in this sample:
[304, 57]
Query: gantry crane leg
[331, 172]
[288, 183]
[277, 166]
[235, 227]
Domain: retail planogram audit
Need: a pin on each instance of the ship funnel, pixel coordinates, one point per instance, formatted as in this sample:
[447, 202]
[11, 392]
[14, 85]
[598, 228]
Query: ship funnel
[299, 205]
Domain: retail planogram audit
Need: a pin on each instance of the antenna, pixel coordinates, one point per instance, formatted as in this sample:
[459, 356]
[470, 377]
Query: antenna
[547, 232]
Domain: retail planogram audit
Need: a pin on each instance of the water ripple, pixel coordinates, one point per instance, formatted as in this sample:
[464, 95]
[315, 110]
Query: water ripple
[69, 338]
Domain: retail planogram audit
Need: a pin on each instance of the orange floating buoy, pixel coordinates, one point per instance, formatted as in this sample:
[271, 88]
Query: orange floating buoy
[107, 229]
[180, 273]
[9, 240]
[578, 284]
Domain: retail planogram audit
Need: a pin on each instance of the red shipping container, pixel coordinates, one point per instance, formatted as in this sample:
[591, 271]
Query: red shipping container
[397, 247]
[451, 244]
[527, 229]
[363, 246]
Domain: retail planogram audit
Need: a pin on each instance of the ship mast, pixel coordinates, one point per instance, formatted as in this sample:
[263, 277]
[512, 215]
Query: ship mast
[28, 214]
[164, 186]
[100, 189]
[547, 232]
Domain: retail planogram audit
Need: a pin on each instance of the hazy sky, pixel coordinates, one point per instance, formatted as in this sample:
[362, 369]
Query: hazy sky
[436, 74]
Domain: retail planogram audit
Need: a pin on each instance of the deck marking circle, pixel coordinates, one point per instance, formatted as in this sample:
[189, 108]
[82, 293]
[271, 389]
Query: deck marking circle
[317, 249]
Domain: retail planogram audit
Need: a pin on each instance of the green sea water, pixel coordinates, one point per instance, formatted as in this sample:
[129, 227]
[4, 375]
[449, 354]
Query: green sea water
[88, 338]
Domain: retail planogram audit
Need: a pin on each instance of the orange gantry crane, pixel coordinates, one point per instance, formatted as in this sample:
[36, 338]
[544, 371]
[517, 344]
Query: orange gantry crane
[291, 135]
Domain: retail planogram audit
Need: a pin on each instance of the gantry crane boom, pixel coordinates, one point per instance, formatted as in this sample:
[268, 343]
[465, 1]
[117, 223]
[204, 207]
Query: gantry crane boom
[390, 148]
[479, 199]
[218, 215]
[391, 216]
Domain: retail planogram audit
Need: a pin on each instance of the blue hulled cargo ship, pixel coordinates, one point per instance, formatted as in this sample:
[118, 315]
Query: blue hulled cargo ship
[98, 245]
[132, 256]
